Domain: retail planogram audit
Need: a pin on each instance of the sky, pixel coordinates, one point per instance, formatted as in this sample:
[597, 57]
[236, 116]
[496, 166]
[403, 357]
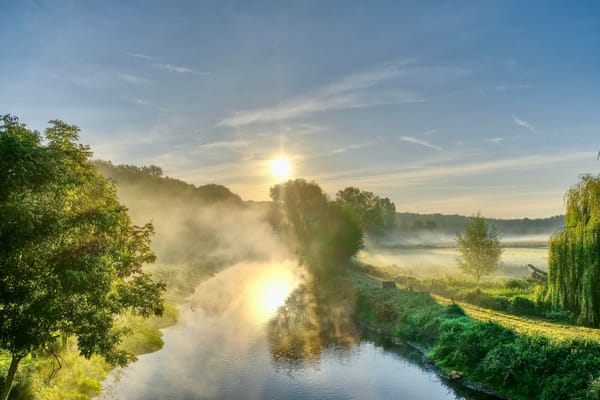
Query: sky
[444, 107]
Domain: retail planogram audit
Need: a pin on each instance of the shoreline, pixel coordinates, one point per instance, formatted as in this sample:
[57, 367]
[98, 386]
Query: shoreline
[387, 335]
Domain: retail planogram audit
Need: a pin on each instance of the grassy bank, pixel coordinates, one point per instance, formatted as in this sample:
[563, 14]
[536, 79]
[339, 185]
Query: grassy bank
[69, 376]
[521, 366]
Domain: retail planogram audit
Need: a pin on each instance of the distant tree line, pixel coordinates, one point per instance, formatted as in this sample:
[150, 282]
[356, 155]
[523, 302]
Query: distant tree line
[452, 224]
[150, 180]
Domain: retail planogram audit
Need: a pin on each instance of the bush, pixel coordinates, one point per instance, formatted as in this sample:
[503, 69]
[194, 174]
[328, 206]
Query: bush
[463, 343]
[522, 306]
[516, 284]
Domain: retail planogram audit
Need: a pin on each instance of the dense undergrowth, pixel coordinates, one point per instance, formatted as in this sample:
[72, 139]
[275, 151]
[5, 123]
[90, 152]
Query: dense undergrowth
[518, 365]
[69, 376]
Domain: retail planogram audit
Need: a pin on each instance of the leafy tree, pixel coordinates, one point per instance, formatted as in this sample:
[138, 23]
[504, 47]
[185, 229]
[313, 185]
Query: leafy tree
[326, 233]
[70, 258]
[374, 213]
[479, 248]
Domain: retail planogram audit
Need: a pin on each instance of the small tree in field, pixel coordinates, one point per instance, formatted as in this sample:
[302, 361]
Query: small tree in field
[479, 248]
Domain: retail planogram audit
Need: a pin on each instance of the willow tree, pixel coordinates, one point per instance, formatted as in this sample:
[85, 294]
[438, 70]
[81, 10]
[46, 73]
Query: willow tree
[70, 258]
[574, 254]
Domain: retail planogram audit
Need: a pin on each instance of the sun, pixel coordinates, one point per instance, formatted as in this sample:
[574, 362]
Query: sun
[280, 168]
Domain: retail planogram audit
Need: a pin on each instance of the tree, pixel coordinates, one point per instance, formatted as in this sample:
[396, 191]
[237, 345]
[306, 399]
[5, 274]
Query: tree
[479, 248]
[70, 258]
[374, 213]
[326, 234]
[574, 254]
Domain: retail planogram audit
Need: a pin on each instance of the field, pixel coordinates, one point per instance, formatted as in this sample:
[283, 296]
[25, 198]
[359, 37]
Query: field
[440, 261]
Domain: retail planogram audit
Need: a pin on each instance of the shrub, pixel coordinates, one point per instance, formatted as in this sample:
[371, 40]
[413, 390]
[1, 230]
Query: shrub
[522, 306]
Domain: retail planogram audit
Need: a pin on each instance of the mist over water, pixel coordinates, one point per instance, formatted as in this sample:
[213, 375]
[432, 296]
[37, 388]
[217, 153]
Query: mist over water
[253, 324]
[222, 348]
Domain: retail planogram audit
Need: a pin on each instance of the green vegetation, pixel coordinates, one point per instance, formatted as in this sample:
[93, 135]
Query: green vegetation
[325, 234]
[523, 366]
[374, 213]
[574, 257]
[70, 257]
[411, 222]
[479, 248]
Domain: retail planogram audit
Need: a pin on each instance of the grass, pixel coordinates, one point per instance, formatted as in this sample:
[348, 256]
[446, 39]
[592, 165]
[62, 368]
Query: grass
[530, 326]
[520, 358]
[79, 378]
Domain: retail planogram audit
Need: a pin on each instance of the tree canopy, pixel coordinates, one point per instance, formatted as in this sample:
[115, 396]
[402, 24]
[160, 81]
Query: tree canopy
[479, 248]
[325, 233]
[574, 254]
[71, 259]
[374, 213]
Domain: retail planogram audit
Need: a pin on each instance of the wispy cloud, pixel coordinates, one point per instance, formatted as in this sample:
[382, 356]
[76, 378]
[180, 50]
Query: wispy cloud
[136, 80]
[512, 87]
[354, 91]
[138, 55]
[181, 69]
[424, 174]
[224, 144]
[430, 132]
[523, 123]
[420, 142]
[338, 150]
[496, 140]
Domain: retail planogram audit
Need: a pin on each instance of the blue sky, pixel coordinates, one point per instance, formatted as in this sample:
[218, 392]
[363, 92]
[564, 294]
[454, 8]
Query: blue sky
[448, 107]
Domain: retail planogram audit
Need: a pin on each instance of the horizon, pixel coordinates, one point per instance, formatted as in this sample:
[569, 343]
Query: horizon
[444, 109]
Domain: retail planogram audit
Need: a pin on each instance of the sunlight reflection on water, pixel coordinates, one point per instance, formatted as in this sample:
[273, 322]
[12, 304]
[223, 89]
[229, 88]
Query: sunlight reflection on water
[221, 349]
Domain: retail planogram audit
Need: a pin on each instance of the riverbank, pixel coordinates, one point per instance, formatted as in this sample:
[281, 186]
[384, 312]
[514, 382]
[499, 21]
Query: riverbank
[66, 375]
[515, 365]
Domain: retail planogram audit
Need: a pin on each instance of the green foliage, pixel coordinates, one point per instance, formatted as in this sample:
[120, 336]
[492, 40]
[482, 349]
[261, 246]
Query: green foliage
[523, 306]
[574, 255]
[374, 213]
[519, 365]
[325, 233]
[70, 257]
[149, 180]
[451, 224]
[479, 248]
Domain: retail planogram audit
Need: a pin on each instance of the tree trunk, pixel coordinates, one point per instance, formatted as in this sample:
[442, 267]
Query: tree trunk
[12, 370]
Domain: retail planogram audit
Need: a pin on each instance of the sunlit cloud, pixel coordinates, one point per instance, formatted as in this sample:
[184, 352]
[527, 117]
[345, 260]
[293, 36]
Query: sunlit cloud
[496, 140]
[224, 144]
[523, 123]
[353, 91]
[420, 142]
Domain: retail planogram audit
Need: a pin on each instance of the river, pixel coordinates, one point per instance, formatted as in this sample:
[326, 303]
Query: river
[225, 347]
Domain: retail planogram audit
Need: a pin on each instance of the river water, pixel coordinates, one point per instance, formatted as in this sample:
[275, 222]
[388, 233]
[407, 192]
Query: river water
[227, 345]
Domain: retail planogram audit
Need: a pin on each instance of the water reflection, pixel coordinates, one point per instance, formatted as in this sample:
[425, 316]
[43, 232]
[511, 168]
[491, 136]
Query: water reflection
[314, 317]
[225, 348]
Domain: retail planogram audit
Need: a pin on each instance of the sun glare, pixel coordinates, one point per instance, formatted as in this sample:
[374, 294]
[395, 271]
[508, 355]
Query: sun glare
[271, 293]
[280, 168]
